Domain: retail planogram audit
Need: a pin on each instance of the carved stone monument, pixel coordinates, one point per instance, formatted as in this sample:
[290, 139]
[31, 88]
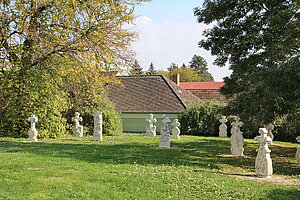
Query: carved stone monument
[98, 127]
[165, 132]
[32, 133]
[263, 162]
[298, 151]
[237, 139]
[77, 128]
[175, 129]
[151, 128]
[223, 127]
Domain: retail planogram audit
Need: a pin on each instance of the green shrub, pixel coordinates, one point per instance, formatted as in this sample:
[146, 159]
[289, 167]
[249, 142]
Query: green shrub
[112, 124]
[202, 118]
[286, 127]
[31, 92]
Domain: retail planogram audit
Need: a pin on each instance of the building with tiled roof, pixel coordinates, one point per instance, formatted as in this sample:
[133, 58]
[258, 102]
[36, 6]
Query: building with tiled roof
[205, 90]
[138, 96]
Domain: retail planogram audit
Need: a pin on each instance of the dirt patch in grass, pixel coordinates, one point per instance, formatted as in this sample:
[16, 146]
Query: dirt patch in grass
[274, 179]
[55, 179]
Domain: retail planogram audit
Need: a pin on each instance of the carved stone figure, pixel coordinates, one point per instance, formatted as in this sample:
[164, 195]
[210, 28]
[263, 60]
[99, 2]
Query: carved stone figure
[223, 127]
[98, 126]
[151, 128]
[263, 162]
[32, 133]
[77, 128]
[165, 132]
[175, 129]
[237, 139]
[298, 151]
[270, 128]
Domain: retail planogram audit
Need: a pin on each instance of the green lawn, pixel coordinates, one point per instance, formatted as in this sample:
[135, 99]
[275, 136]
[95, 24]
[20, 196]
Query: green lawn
[133, 167]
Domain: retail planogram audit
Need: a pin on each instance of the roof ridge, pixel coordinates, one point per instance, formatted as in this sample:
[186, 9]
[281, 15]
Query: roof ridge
[165, 79]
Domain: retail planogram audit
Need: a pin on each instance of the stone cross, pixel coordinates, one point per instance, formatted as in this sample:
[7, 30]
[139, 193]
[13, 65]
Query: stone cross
[263, 162]
[98, 126]
[223, 127]
[298, 151]
[32, 133]
[165, 132]
[237, 139]
[176, 130]
[77, 128]
[151, 128]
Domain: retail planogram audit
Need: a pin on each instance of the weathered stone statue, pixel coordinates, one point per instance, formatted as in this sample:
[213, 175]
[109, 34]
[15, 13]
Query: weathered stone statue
[165, 132]
[223, 127]
[175, 129]
[270, 128]
[263, 162]
[298, 151]
[98, 126]
[151, 128]
[77, 128]
[237, 139]
[32, 133]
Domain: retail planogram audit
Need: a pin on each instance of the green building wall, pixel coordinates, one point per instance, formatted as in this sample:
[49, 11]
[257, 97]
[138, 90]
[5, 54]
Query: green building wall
[136, 122]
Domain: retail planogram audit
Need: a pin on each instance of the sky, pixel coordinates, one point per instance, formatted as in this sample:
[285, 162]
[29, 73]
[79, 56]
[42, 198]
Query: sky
[169, 33]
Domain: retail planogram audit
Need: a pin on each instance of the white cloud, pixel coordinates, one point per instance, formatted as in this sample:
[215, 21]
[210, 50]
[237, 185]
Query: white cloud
[171, 41]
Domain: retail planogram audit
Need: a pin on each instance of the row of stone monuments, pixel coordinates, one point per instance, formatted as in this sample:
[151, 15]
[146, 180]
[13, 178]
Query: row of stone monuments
[77, 129]
[151, 128]
[263, 161]
[165, 130]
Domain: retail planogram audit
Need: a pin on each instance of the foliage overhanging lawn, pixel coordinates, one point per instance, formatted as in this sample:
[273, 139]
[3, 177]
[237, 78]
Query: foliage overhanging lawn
[132, 167]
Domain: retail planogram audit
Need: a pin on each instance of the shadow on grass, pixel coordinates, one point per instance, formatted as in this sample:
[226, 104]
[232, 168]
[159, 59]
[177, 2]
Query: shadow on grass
[204, 153]
[286, 194]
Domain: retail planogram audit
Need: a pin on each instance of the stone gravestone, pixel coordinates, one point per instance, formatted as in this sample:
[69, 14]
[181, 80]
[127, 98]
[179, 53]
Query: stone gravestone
[298, 151]
[32, 133]
[223, 127]
[263, 162]
[98, 127]
[165, 132]
[151, 128]
[77, 128]
[237, 139]
[175, 129]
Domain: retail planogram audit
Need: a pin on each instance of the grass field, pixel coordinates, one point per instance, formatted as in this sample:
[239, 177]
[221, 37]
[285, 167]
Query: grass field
[133, 167]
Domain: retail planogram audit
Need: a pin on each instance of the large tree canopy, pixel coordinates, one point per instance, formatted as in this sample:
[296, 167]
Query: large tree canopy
[261, 42]
[54, 51]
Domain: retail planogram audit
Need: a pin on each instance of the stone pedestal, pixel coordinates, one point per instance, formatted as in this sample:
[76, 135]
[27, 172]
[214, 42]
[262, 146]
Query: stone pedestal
[77, 128]
[263, 162]
[165, 132]
[97, 135]
[237, 139]
[175, 129]
[151, 128]
[298, 151]
[223, 127]
[32, 133]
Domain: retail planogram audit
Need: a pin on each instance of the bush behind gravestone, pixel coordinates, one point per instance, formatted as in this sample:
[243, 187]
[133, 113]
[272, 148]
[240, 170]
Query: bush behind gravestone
[27, 93]
[286, 127]
[201, 118]
[112, 124]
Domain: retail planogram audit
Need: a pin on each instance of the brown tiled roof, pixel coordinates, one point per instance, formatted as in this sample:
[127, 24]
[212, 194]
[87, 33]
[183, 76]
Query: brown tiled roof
[202, 85]
[205, 94]
[206, 90]
[148, 94]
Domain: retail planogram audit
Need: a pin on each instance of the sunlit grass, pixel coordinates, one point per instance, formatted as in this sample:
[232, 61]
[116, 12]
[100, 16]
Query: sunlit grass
[133, 167]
